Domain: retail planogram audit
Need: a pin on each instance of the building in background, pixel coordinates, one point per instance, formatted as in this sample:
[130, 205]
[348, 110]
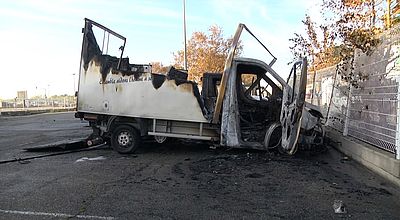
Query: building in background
[22, 95]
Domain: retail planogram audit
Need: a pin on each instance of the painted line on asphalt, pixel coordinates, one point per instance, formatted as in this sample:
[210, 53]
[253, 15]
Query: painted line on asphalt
[55, 214]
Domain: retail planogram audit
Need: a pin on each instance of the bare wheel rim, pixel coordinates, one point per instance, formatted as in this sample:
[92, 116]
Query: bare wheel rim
[124, 138]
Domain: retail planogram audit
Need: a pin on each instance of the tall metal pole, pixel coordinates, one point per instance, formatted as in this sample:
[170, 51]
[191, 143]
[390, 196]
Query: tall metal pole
[388, 21]
[313, 82]
[184, 36]
[398, 123]
[73, 75]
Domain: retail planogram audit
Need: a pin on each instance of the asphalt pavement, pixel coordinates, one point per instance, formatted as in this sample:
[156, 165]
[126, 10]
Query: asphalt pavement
[178, 180]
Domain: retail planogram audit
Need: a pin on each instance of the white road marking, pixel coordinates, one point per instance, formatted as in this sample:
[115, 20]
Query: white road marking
[55, 214]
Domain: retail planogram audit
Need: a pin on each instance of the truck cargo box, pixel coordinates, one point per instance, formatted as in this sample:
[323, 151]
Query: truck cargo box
[112, 86]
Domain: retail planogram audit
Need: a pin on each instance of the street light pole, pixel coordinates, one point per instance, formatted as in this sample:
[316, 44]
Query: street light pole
[388, 18]
[73, 75]
[184, 36]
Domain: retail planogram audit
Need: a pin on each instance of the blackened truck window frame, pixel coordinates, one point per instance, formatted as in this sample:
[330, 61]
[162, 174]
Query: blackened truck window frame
[107, 31]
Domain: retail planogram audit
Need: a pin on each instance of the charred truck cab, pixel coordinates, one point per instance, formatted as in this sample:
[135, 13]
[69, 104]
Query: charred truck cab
[247, 106]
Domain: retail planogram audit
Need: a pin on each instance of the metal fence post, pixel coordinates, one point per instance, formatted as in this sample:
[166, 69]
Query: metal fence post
[398, 120]
[347, 116]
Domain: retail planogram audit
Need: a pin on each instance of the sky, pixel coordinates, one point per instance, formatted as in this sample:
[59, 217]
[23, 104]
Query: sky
[40, 40]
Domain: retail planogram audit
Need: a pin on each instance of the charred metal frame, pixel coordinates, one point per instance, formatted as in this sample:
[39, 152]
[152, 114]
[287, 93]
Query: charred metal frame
[292, 108]
[195, 121]
[228, 65]
[105, 29]
[178, 129]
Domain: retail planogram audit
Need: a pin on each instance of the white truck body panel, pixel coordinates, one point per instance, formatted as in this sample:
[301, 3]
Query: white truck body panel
[126, 96]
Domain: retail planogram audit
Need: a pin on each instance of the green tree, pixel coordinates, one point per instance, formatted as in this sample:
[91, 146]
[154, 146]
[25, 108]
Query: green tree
[205, 53]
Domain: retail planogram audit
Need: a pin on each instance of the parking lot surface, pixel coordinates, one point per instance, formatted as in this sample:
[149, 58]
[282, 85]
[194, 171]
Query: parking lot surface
[178, 180]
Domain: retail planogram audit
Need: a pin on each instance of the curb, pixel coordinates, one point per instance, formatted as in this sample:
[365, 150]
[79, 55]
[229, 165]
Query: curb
[381, 162]
[33, 112]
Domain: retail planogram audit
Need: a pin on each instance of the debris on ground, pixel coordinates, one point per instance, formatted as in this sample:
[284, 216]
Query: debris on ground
[90, 159]
[345, 158]
[64, 145]
[213, 147]
[339, 207]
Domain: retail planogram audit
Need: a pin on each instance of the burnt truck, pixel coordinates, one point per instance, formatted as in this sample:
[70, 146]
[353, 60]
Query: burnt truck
[248, 105]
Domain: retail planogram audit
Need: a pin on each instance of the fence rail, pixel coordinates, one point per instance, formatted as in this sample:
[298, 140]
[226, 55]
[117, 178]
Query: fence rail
[35, 108]
[369, 112]
[17, 107]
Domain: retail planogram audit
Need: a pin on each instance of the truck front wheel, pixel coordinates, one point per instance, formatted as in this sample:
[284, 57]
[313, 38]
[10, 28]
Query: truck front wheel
[125, 139]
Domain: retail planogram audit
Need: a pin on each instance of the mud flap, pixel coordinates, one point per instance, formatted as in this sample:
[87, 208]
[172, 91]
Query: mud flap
[292, 106]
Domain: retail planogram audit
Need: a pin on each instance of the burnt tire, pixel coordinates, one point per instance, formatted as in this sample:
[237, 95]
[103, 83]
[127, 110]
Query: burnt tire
[125, 139]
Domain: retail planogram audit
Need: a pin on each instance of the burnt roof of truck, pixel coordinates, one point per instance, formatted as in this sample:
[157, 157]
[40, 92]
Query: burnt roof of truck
[269, 69]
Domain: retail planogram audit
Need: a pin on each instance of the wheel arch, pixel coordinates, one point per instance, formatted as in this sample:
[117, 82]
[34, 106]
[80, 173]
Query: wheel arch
[137, 123]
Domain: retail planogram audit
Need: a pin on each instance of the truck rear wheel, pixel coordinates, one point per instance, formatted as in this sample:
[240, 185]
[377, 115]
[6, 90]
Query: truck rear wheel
[125, 139]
